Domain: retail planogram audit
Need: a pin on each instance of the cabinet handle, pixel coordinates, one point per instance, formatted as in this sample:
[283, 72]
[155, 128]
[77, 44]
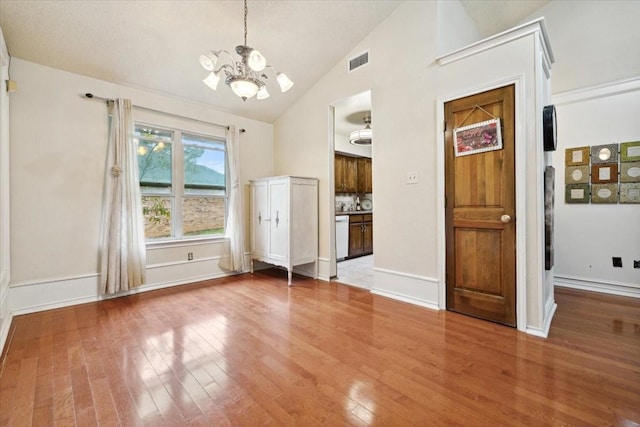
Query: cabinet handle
[259, 217]
[277, 219]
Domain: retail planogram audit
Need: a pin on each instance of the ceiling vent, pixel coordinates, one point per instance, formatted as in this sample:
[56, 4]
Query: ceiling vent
[358, 61]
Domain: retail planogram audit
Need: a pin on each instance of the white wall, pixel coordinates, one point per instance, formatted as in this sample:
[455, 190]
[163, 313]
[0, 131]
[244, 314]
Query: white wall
[456, 29]
[594, 42]
[5, 253]
[587, 236]
[58, 155]
[404, 90]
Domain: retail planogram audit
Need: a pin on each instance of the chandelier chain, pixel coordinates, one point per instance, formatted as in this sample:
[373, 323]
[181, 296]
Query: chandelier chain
[245, 22]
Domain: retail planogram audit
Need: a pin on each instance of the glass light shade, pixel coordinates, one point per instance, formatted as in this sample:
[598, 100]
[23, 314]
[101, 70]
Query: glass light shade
[208, 60]
[285, 83]
[212, 80]
[262, 93]
[244, 88]
[257, 61]
[361, 137]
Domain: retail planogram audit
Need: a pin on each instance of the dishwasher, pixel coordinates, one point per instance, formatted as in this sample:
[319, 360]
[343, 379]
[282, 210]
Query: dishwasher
[342, 236]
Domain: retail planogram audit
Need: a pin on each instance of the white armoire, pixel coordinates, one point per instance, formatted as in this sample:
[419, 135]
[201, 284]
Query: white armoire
[284, 222]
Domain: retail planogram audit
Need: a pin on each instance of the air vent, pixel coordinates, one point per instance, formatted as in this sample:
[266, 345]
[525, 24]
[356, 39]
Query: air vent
[359, 61]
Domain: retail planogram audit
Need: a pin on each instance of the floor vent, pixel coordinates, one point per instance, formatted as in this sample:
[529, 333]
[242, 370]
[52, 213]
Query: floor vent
[359, 61]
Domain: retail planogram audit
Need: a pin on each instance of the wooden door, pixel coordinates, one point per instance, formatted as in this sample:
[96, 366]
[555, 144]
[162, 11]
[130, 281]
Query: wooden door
[279, 220]
[355, 235]
[339, 172]
[367, 237]
[350, 175]
[480, 212]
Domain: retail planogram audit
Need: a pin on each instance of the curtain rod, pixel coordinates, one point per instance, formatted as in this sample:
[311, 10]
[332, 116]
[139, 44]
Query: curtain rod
[89, 95]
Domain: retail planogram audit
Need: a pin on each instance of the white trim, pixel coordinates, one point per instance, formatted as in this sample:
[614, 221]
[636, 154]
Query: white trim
[4, 332]
[536, 27]
[602, 286]
[324, 265]
[598, 91]
[153, 245]
[544, 331]
[406, 287]
[521, 208]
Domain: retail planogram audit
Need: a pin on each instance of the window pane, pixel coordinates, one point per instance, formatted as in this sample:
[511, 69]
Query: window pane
[157, 216]
[204, 164]
[154, 157]
[202, 215]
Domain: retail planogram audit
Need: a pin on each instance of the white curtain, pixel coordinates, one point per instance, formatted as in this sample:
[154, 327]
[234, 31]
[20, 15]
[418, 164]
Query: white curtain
[233, 251]
[123, 251]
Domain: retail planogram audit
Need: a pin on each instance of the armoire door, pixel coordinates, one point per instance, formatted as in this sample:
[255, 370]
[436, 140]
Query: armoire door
[279, 219]
[259, 216]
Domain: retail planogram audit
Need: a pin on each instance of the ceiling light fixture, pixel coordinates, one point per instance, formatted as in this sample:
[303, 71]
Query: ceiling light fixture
[243, 77]
[362, 136]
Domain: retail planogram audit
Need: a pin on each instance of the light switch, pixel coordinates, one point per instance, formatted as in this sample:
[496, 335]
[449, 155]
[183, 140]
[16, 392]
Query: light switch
[412, 177]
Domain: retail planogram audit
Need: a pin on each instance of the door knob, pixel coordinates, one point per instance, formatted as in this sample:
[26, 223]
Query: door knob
[505, 219]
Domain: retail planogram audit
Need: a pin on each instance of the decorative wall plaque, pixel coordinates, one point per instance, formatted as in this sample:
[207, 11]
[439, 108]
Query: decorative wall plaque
[630, 151]
[576, 174]
[604, 153]
[630, 172]
[549, 184]
[604, 174]
[630, 193]
[576, 156]
[604, 193]
[577, 193]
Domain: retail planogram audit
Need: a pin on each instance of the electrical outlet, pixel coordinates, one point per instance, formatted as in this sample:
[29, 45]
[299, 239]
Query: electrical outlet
[190, 256]
[617, 261]
[412, 177]
[636, 263]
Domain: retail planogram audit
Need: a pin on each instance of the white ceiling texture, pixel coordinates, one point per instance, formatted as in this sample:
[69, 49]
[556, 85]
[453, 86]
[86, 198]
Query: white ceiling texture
[155, 44]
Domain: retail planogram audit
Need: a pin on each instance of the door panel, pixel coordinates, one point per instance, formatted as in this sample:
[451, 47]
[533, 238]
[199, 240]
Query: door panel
[260, 215]
[480, 212]
[279, 244]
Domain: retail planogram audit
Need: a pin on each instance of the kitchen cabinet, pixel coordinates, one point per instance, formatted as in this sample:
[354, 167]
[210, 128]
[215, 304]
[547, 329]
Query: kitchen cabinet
[346, 178]
[360, 235]
[284, 222]
[365, 180]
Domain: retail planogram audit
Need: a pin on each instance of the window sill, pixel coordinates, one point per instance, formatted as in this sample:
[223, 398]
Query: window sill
[189, 241]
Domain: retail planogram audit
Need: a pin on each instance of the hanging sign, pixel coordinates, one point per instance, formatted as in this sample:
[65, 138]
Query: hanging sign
[478, 138]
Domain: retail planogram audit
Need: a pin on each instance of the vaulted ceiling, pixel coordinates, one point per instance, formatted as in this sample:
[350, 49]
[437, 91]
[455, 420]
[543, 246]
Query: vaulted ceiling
[156, 44]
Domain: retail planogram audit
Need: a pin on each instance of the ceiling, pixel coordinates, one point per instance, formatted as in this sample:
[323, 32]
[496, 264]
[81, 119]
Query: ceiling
[155, 44]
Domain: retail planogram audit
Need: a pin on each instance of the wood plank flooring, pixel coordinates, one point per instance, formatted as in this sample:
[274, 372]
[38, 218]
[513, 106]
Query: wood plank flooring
[250, 351]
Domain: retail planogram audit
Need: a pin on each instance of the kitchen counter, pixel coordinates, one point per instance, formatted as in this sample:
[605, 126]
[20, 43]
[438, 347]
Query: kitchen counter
[353, 212]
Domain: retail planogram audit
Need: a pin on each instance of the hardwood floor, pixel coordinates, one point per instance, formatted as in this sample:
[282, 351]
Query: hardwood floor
[251, 351]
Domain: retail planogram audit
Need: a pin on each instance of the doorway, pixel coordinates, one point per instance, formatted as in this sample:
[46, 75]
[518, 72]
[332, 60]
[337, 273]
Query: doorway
[353, 193]
[480, 223]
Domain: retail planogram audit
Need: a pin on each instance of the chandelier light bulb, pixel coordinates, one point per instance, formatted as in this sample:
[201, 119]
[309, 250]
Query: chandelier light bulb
[212, 80]
[244, 88]
[208, 60]
[285, 82]
[262, 93]
[257, 61]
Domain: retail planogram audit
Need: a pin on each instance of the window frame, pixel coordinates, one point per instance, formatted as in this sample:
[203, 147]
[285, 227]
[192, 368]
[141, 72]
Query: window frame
[177, 187]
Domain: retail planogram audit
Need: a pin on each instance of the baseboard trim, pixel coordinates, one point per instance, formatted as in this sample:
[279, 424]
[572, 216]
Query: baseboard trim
[605, 287]
[544, 331]
[406, 287]
[4, 335]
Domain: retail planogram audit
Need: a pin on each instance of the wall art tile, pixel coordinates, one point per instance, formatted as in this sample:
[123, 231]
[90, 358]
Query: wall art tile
[607, 153]
[630, 172]
[576, 174]
[576, 156]
[630, 193]
[604, 173]
[577, 193]
[630, 151]
[604, 193]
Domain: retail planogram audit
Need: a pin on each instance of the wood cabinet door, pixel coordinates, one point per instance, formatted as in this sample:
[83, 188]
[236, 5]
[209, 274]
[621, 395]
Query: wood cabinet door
[480, 212]
[355, 239]
[364, 175]
[367, 238]
[350, 175]
[339, 172]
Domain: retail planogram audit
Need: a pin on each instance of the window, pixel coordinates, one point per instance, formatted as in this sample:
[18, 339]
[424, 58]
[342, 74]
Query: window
[182, 181]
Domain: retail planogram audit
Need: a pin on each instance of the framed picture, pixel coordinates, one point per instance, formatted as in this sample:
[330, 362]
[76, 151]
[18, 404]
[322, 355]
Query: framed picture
[576, 156]
[630, 172]
[630, 193]
[577, 193]
[478, 138]
[576, 174]
[604, 193]
[604, 174]
[604, 153]
[630, 151]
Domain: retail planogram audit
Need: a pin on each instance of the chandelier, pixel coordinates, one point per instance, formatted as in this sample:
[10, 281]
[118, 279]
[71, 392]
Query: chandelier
[362, 136]
[244, 76]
